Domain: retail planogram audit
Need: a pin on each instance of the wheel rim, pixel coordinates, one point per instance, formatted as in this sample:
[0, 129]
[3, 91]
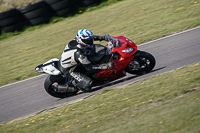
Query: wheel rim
[139, 64]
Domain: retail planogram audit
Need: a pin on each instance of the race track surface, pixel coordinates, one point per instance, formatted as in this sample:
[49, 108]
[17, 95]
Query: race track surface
[28, 97]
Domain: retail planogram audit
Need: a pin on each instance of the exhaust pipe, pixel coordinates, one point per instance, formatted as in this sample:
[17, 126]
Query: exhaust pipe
[64, 88]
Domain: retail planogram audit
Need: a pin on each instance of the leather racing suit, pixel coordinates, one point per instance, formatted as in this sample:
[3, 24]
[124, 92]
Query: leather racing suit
[71, 59]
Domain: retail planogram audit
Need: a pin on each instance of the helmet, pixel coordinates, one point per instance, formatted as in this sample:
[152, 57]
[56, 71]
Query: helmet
[85, 37]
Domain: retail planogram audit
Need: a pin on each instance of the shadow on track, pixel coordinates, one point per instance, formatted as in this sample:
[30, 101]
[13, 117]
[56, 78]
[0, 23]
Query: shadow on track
[119, 81]
[112, 83]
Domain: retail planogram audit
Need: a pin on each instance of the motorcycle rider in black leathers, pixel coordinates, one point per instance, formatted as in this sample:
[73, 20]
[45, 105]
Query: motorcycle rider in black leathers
[73, 57]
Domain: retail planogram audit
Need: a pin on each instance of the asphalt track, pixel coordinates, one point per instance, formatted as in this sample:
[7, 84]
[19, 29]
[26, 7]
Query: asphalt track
[29, 97]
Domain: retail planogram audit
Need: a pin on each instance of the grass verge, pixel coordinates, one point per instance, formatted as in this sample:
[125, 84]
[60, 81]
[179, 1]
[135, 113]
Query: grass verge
[10, 4]
[165, 103]
[141, 21]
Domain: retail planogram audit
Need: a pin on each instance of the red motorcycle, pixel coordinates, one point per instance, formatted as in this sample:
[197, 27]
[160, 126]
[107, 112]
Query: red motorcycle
[120, 50]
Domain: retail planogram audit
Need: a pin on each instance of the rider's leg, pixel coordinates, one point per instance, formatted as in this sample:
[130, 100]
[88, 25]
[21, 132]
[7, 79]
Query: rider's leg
[79, 79]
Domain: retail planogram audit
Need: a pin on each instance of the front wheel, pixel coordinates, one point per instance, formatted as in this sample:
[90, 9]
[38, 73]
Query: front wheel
[142, 63]
[50, 86]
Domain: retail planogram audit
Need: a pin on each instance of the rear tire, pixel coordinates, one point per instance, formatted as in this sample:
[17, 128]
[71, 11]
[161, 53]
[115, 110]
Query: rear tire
[49, 86]
[142, 63]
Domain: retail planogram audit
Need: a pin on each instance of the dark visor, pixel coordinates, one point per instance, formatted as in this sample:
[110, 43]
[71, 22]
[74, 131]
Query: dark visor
[89, 42]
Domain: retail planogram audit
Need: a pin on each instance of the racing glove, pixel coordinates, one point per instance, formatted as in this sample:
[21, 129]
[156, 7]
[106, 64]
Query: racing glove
[100, 38]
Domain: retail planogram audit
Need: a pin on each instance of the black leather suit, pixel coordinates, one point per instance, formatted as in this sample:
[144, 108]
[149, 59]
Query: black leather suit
[73, 57]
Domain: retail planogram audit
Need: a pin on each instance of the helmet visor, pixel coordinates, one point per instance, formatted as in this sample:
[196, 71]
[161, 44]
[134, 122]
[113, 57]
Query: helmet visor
[89, 42]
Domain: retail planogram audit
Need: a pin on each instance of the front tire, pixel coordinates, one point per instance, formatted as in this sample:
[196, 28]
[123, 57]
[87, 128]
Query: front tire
[142, 63]
[49, 85]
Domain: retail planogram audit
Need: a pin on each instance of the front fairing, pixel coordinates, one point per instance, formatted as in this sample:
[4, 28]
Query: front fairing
[122, 45]
[123, 49]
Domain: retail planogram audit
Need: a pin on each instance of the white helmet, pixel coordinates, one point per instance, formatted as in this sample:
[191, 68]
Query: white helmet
[85, 37]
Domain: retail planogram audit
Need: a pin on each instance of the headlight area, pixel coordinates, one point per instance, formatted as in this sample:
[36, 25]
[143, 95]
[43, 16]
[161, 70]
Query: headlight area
[130, 50]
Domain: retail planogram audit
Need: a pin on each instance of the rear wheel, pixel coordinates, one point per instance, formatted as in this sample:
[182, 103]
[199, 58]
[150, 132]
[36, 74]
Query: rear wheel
[50, 86]
[142, 63]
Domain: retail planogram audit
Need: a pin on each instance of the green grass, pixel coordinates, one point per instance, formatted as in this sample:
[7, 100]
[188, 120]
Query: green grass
[138, 20]
[10, 4]
[167, 103]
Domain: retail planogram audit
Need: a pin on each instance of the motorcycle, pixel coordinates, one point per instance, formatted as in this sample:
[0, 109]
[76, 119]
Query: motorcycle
[120, 50]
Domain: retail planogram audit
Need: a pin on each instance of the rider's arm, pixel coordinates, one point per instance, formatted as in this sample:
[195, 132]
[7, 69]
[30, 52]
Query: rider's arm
[100, 38]
[81, 58]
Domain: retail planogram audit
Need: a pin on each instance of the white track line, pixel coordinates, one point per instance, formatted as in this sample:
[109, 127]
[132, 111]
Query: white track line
[22, 81]
[170, 36]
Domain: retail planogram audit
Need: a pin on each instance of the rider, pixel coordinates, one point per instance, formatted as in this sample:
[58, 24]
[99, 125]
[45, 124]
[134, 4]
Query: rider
[74, 55]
